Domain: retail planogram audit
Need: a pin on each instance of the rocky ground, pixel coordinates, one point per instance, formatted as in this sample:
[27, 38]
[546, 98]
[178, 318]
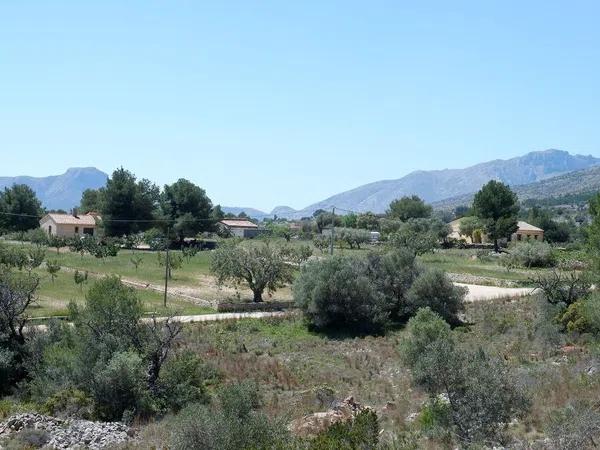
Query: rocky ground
[37, 430]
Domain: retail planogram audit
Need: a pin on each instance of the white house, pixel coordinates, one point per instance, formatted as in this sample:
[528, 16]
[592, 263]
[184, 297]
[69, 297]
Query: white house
[70, 225]
[240, 227]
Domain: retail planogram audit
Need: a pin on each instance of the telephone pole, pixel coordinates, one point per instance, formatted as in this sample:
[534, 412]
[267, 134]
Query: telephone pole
[332, 230]
[167, 264]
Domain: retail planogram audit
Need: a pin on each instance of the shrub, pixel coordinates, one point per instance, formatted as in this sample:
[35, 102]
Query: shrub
[483, 395]
[583, 316]
[182, 381]
[435, 417]
[531, 253]
[575, 426]
[361, 432]
[120, 386]
[393, 274]
[434, 289]
[337, 293]
[70, 402]
[426, 349]
[234, 423]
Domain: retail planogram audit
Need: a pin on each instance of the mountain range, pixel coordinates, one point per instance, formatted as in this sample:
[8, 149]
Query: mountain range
[436, 185]
[61, 191]
[533, 175]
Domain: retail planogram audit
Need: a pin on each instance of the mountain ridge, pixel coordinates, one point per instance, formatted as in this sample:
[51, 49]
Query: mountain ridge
[60, 191]
[578, 182]
[436, 185]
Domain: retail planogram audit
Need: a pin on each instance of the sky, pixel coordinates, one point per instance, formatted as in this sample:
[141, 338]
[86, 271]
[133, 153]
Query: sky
[266, 103]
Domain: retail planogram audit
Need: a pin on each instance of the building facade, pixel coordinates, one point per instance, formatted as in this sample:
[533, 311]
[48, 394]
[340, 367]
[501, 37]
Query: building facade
[70, 225]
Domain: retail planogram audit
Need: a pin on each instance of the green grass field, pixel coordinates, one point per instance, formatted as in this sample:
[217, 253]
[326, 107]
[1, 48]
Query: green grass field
[54, 297]
[466, 262]
[148, 271]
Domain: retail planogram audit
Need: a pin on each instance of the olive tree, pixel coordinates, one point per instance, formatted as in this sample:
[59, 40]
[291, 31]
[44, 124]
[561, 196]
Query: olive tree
[406, 208]
[261, 266]
[337, 293]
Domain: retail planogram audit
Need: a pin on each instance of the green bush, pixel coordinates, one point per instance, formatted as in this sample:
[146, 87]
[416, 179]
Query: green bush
[182, 381]
[393, 274]
[531, 253]
[435, 416]
[120, 386]
[233, 423]
[434, 289]
[583, 316]
[482, 392]
[70, 402]
[337, 293]
[362, 432]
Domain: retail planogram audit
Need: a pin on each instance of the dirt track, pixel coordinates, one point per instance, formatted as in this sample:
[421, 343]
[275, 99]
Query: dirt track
[479, 293]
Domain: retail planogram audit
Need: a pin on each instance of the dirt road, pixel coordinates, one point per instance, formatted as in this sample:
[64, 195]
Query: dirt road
[478, 293]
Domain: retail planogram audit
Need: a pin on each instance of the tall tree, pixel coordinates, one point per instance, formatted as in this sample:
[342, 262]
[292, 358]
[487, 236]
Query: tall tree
[129, 205]
[187, 207]
[217, 213]
[20, 209]
[497, 208]
[91, 200]
[412, 207]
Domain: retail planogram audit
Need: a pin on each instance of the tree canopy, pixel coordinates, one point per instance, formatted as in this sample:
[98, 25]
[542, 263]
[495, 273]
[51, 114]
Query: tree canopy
[187, 206]
[496, 205]
[412, 207]
[20, 209]
[127, 199]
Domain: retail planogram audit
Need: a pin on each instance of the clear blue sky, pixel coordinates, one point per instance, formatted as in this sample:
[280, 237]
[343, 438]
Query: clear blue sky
[265, 103]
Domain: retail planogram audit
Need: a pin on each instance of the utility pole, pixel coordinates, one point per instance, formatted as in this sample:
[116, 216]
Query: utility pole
[167, 264]
[332, 230]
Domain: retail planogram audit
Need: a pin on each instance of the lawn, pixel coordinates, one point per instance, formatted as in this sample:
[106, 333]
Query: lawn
[148, 271]
[54, 297]
[471, 262]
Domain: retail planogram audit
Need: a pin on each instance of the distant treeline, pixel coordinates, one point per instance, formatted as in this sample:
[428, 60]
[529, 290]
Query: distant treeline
[581, 198]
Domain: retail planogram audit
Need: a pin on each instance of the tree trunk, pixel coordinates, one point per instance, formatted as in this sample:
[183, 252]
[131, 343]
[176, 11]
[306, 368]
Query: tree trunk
[496, 248]
[257, 296]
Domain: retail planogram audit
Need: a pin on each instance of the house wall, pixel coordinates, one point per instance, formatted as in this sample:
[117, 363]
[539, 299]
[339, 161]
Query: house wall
[524, 235]
[64, 230]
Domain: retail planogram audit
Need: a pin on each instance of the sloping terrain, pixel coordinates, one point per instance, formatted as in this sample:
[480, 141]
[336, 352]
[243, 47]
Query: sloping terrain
[568, 187]
[60, 191]
[437, 185]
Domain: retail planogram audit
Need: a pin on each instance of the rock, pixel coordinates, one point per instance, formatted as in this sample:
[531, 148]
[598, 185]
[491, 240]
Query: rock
[313, 424]
[70, 434]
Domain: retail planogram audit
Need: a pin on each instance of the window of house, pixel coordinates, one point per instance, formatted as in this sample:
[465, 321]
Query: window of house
[49, 229]
[76, 230]
[89, 231]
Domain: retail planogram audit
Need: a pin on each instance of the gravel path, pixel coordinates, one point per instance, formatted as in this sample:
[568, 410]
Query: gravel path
[478, 293]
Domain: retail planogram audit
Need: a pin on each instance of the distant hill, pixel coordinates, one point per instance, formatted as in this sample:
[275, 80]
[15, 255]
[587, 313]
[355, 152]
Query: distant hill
[572, 187]
[436, 185]
[61, 191]
[251, 212]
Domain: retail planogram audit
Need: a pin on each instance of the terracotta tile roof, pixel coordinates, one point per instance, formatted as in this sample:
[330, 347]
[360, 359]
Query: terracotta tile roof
[68, 219]
[233, 223]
